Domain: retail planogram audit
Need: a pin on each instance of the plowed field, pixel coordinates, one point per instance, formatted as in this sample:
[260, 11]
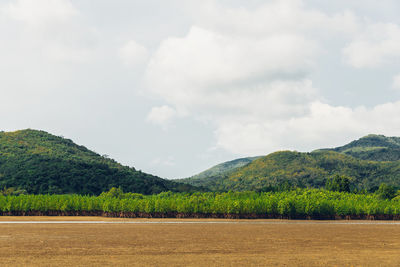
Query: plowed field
[225, 243]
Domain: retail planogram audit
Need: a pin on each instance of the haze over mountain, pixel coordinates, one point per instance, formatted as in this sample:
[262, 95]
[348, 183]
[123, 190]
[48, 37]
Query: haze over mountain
[39, 162]
[368, 161]
[216, 171]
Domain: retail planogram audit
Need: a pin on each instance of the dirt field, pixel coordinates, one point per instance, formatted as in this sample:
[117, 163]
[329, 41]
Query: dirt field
[247, 243]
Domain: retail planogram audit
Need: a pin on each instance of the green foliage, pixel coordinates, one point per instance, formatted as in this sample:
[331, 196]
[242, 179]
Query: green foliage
[358, 159]
[306, 170]
[12, 191]
[113, 192]
[314, 203]
[386, 191]
[119, 193]
[372, 147]
[285, 186]
[338, 183]
[41, 163]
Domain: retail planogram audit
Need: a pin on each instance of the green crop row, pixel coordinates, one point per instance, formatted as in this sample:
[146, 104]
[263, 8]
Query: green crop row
[300, 202]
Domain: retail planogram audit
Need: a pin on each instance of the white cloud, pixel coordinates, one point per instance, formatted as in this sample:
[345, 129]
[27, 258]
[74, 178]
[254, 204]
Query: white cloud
[247, 72]
[323, 124]
[204, 67]
[161, 115]
[133, 53]
[396, 81]
[378, 44]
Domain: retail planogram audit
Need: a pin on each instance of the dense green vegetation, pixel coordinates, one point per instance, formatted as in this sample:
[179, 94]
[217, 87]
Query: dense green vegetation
[372, 147]
[36, 162]
[357, 160]
[306, 170]
[46, 174]
[338, 183]
[298, 203]
[40, 163]
[216, 171]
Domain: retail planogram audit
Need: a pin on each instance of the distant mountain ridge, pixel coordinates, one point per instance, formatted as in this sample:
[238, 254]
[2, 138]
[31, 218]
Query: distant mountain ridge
[369, 161]
[372, 147]
[218, 170]
[39, 162]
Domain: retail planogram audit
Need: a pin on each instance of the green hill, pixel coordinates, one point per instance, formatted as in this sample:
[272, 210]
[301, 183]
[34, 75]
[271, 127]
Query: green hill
[39, 162]
[207, 177]
[305, 170]
[369, 161]
[372, 147]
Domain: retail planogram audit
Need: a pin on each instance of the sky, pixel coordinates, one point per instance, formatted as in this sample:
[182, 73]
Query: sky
[174, 87]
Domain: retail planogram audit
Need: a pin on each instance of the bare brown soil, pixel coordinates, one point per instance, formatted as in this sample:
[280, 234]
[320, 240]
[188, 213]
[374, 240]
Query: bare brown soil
[247, 243]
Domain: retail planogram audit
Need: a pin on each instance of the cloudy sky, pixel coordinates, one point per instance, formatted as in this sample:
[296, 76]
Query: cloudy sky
[173, 87]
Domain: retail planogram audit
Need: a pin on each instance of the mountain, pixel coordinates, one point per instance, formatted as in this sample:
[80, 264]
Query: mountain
[41, 163]
[206, 177]
[312, 169]
[369, 161]
[372, 147]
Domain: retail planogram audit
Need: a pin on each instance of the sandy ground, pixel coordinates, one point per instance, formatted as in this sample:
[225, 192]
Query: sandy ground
[247, 243]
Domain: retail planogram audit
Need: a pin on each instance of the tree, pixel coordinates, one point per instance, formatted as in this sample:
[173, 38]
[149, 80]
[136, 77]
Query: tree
[386, 191]
[338, 183]
[113, 192]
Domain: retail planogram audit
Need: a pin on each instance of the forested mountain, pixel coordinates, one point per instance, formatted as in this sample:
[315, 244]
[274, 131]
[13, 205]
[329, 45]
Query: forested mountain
[368, 161]
[312, 169]
[39, 162]
[222, 169]
[372, 147]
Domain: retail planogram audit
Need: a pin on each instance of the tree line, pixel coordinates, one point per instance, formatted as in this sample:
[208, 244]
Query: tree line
[296, 203]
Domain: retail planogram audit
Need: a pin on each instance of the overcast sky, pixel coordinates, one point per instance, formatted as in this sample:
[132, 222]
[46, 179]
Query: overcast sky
[173, 87]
